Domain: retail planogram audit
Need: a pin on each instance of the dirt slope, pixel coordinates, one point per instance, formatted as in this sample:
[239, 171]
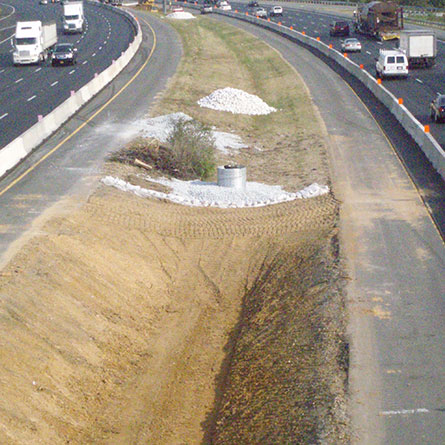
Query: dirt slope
[114, 321]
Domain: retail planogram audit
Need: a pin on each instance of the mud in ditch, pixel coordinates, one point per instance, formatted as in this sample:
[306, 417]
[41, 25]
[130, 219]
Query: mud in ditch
[285, 374]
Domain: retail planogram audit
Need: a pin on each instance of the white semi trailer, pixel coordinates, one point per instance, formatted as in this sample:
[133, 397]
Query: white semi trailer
[419, 46]
[73, 20]
[33, 41]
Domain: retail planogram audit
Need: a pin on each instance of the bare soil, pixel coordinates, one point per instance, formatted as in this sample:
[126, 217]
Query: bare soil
[137, 321]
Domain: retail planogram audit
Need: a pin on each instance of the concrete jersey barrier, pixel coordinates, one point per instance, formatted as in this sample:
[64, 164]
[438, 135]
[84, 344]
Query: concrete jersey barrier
[19, 148]
[431, 148]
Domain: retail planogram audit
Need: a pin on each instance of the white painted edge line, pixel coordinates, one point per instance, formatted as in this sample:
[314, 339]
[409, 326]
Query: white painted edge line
[404, 411]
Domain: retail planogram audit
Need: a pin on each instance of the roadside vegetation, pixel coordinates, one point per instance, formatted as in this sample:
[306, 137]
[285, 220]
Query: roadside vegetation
[188, 154]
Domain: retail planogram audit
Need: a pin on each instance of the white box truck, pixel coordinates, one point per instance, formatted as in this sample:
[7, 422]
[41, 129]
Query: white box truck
[33, 41]
[73, 20]
[419, 46]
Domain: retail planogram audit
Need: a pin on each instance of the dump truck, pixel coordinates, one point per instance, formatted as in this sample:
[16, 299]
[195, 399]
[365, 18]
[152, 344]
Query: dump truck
[419, 46]
[33, 41]
[382, 20]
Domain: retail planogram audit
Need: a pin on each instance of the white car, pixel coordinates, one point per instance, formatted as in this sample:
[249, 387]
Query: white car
[224, 6]
[276, 10]
[351, 45]
[261, 13]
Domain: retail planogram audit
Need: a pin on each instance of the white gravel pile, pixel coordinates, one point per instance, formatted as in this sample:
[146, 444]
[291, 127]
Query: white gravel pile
[235, 101]
[205, 194]
[181, 15]
[160, 128]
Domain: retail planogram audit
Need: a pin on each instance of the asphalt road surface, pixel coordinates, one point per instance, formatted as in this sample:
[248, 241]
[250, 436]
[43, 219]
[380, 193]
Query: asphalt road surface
[28, 91]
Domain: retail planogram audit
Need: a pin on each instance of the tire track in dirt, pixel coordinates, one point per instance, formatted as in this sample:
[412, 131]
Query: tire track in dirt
[169, 219]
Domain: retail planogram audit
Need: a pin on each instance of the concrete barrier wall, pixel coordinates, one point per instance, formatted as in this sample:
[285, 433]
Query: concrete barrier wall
[19, 148]
[433, 151]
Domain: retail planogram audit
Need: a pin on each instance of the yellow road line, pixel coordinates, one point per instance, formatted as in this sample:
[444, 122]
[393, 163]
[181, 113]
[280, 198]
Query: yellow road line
[30, 169]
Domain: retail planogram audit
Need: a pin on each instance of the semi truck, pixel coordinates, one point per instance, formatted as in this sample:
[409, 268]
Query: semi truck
[33, 41]
[419, 46]
[73, 20]
[382, 20]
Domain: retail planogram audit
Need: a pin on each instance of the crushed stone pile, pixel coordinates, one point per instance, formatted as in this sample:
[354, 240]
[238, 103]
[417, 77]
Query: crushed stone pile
[235, 101]
[180, 15]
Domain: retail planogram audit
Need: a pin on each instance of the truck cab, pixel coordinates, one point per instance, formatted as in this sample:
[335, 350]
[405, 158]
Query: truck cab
[32, 41]
[73, 19]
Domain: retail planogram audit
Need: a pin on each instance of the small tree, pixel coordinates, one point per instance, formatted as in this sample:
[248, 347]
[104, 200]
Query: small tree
[192, 149]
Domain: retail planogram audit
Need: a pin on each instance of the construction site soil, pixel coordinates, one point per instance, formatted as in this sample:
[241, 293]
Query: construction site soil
[131, 320]
[127, 320]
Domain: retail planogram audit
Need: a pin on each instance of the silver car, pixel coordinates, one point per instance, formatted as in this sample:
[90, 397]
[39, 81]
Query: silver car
[351, 45]
[261, 13]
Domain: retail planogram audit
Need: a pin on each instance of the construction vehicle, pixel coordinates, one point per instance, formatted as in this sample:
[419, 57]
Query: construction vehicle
[146, 4]
[381, 20]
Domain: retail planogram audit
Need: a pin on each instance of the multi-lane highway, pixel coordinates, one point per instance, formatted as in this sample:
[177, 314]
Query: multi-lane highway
[396, 256]
[29, 91]
[417, 91]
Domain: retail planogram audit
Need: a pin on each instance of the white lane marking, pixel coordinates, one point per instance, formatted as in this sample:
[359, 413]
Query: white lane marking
[7, 38]
[418, 80]
[100, 48]
[18, 80]
[30, 98]
[37, 70]
[72, 71]
[55, 83]
[84, 62]
[2, 71]
[404, 411]
[93, 55]
[368, 52]
[3, 116]
[379, 43]
[9, 15]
